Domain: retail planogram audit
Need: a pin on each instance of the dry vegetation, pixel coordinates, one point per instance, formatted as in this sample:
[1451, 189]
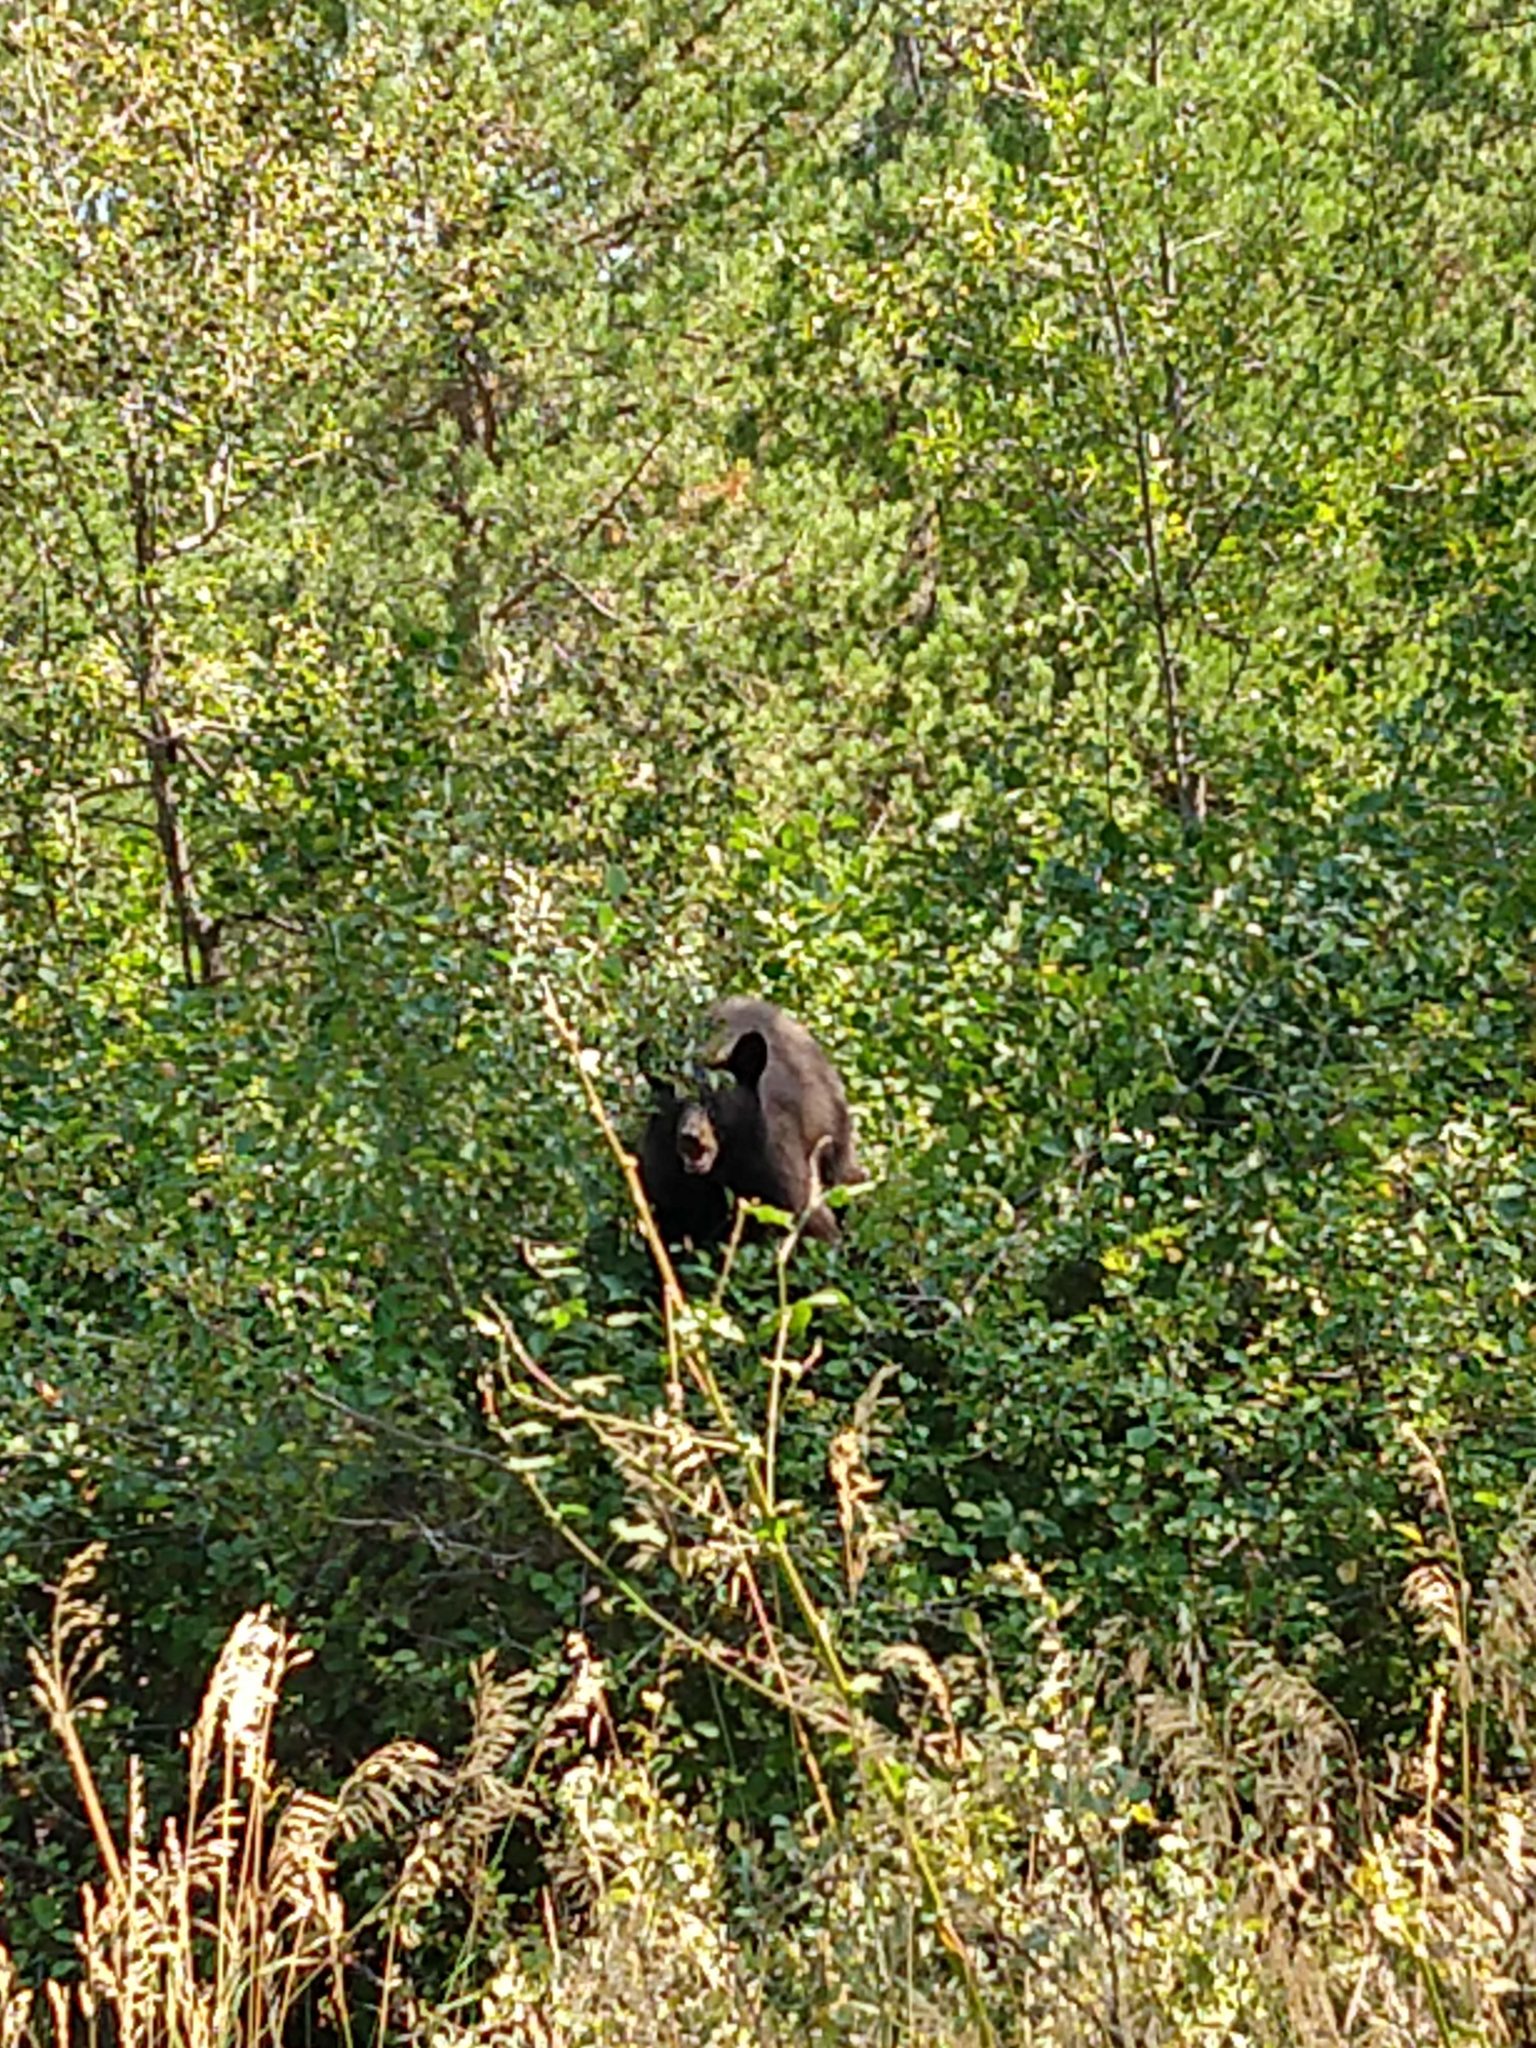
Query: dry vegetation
[1097, 1858]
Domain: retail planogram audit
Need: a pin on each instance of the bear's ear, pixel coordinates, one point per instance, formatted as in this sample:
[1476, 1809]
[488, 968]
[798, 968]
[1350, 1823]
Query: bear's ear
[663, 1092]
[748, 1058]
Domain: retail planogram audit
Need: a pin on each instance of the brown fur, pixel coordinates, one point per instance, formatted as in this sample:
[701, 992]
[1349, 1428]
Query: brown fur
[785, 1131]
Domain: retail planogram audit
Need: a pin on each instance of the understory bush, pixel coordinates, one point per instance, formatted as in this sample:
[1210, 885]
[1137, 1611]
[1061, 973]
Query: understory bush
[1080, 1843]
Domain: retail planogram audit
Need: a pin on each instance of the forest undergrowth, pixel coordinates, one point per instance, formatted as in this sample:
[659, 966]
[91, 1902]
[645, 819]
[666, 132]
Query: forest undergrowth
[1095, 1851]
[1090, 1844]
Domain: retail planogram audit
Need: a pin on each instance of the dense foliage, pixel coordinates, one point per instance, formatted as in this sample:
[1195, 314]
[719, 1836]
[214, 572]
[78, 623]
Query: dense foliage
[1008, 530]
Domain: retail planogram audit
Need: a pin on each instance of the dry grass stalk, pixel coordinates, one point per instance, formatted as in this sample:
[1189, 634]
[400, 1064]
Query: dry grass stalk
[1266, 1901]
[218, 1934]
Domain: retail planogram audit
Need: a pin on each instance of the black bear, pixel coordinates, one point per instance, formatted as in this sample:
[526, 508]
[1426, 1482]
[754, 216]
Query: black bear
[778, 1132]
[679, 1160]
[785, 1131]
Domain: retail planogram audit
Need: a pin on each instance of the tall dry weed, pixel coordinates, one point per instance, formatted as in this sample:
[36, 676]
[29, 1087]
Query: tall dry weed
[217, 1931]
[1122, 1859]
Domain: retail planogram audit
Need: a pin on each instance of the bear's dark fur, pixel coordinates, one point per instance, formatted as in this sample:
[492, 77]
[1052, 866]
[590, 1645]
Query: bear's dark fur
[679, 1170]
[778, 1132]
